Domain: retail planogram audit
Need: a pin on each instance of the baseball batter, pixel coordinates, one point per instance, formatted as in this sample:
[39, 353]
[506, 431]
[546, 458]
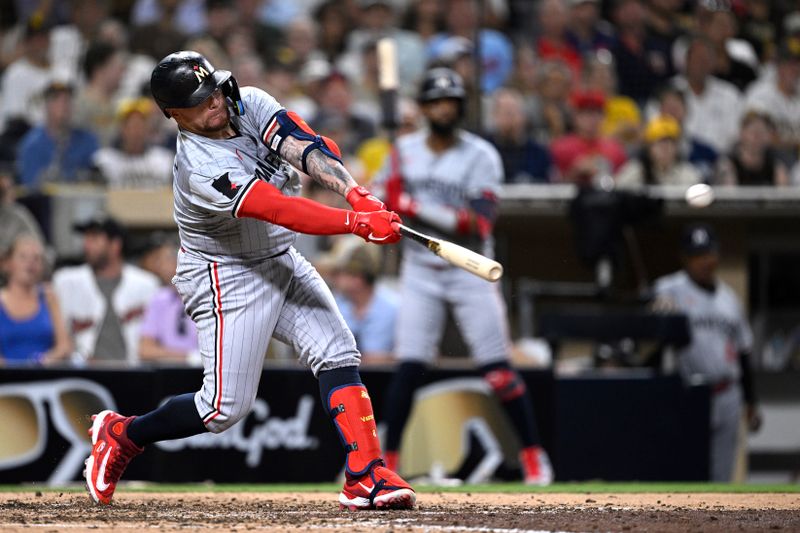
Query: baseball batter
[445, 181]
[242, 282]
[721, 343]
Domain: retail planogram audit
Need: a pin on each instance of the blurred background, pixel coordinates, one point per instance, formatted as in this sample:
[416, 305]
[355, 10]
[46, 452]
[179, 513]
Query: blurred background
[604, 114]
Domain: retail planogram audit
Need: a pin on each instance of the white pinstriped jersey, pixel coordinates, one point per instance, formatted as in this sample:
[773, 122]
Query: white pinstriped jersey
[212, 176]
[450, 179]
[718, 325]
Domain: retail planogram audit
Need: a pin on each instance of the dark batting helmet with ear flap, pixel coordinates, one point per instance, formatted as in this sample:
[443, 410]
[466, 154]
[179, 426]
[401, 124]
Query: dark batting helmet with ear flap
[441, 83]
[185, 79]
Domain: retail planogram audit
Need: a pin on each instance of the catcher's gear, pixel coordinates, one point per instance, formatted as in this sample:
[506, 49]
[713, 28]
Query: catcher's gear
[440, 83]
[185, 79]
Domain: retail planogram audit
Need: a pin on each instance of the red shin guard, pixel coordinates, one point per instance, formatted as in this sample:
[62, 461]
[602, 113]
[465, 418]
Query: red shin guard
[351, 410]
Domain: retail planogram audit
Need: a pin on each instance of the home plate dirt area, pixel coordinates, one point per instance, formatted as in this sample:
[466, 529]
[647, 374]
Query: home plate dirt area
[240, 511]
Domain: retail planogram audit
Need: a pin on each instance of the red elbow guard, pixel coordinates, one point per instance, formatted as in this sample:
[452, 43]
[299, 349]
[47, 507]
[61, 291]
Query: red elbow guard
[332, 146]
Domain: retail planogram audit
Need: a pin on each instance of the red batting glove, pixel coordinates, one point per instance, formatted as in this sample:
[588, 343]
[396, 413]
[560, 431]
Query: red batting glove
[378, 227]
[363, 200]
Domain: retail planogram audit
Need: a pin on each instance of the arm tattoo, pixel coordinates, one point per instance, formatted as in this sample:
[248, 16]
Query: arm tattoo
[326, 171]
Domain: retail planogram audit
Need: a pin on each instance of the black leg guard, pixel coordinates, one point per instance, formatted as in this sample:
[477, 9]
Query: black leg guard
[510, 389]
[399, 397]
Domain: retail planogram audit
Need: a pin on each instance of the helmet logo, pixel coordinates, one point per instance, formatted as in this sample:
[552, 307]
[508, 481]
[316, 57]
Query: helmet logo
[442, 82]
[200, 73]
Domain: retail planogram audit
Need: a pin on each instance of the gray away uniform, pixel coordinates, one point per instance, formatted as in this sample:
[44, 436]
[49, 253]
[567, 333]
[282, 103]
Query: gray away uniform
[452, 179]
[719, 333]
[240, 279]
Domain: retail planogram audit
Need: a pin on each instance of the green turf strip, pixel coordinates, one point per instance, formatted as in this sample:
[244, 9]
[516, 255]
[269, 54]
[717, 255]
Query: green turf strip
[570, 488]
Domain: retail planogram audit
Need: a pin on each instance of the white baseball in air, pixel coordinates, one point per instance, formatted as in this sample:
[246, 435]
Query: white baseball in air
[699, 195]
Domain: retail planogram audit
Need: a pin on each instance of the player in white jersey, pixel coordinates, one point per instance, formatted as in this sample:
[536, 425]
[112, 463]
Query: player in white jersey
[721, 341]
[445, 181]
[242, 282]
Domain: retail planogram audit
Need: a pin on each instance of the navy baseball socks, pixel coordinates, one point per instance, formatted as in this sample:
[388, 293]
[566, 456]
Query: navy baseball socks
[117, 439]
[509, 388]
[397, 407]
[368, 483]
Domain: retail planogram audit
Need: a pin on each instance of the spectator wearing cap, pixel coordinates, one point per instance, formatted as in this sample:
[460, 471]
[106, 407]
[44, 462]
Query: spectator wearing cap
[135, 162]
[56, 151]
[31, 327]
[104, 299]
[585, 156]
[369, 309]
[379, 19]
[778, 97]
[753, 160]
[496, 51]
[713, 106]
[25, 79]
[660, 161]
[642, 59]
[719, 352]
[95, 104]
[524, 160]
[671, 101]
[168, 335]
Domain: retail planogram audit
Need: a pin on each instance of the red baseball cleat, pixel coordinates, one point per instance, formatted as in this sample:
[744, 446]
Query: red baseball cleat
[536, 466]
[111, 453]
[380, 488]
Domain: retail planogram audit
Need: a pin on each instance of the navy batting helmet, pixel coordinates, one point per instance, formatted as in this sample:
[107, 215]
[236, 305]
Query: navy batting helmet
[441, 82]
[185, 79]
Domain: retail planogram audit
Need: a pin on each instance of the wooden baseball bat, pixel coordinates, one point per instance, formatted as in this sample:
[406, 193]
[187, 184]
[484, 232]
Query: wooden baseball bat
[456, 255]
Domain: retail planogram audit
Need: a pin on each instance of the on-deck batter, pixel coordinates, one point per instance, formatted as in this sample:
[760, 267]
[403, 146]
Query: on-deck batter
[242, 282]
[445, 181]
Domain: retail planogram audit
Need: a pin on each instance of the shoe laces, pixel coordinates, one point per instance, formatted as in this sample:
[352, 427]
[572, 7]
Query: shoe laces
[119, 459]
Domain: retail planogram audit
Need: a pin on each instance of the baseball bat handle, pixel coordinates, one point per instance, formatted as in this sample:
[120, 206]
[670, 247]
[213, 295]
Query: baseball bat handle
[456, 255]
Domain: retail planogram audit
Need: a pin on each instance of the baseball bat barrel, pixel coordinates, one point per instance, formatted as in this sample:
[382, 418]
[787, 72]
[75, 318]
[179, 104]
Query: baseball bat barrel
[456, 255]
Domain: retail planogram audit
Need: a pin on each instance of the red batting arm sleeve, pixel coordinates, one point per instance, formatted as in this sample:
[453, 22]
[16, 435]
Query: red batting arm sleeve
[265, 202]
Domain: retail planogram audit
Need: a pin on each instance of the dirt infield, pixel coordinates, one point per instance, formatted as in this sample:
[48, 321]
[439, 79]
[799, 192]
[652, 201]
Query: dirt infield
[52, 512]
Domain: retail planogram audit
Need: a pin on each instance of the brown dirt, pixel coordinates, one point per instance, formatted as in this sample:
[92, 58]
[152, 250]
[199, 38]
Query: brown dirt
[132, 512]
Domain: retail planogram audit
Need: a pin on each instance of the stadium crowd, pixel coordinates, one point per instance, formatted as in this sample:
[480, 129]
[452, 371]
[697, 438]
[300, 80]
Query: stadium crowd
[669, 92]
